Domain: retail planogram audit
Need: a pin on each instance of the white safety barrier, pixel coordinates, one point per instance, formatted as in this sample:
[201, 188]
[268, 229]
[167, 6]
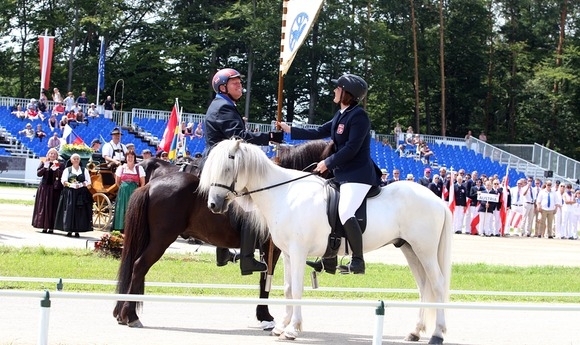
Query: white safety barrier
[378, 305]
[60, 281]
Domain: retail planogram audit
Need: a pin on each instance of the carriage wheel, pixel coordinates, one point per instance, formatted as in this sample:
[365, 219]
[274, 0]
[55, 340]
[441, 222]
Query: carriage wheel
[102, 212]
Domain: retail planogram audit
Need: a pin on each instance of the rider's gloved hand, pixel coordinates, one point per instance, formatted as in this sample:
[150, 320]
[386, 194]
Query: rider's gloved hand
[277, 136]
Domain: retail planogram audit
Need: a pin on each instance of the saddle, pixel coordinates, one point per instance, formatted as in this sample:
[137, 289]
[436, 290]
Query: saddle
[337, 230]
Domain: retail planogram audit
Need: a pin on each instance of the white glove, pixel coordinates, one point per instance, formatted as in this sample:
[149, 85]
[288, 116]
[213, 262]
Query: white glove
[46, 164]
[54, 167]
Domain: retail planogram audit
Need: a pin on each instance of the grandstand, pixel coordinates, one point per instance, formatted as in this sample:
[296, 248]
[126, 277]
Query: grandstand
[144, 128]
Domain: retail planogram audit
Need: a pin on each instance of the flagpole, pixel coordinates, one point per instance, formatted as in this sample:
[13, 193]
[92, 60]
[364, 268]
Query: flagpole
[99, 73]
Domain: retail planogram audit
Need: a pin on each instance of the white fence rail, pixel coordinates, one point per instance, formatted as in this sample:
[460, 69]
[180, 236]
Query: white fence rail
[59, 284]
[379, 305]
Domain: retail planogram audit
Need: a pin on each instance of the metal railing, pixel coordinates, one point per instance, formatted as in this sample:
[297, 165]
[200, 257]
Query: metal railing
[557, 162]
[543, 159]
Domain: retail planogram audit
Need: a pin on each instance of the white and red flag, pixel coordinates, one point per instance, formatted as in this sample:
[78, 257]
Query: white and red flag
[46, 46]
[452, 193]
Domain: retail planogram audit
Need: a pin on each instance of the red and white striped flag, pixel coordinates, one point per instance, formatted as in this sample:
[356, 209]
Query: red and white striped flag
[452, 193]
[474, 223]
[46, 45]
[514, 219]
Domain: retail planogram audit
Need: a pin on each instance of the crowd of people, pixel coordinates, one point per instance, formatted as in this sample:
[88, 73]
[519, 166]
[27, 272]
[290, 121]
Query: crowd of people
[534, 207]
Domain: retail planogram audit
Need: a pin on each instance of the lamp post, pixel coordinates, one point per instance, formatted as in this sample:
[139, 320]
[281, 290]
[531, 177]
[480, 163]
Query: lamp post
[122, 93]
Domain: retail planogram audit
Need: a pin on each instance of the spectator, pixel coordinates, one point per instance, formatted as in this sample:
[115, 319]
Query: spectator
[384, 177]
[399, 136]
[40, 134]
[96, 145]
[56, 97]
[54, 141]
[410, 177]
[58, 109]
[468, 140]
[164, 156]
[436, 186]
[80, 117]
[409, 136]
[71, 119]
[83, 98]
[461, 192]
[42, 104]
[92, 112]
[52, 122]
[75, 207]
[128, 177]
[69, 102]
[198, 131]
[483, 137]
[547, 203]
[109, 107]
[146, 153]
[63, 122]
[27, 131]
[48, 192]
[426, 179]
[396, 176]
[183, 127]
[18, 112]
[425, 153]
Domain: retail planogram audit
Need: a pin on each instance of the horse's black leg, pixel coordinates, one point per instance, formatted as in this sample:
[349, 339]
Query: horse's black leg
[262, 311]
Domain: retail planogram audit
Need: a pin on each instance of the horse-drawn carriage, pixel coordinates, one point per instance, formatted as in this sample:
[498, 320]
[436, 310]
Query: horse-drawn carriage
[103, 189]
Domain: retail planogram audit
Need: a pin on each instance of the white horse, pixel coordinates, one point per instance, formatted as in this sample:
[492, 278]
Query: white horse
[295, 212]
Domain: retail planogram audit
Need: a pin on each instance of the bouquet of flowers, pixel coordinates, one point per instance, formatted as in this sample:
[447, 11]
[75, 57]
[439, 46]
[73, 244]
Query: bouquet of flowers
[110, 244]
[70, 149]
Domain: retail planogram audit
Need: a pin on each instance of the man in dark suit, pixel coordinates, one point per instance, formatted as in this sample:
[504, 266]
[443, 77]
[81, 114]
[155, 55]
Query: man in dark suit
[396, 176]
[426, 179]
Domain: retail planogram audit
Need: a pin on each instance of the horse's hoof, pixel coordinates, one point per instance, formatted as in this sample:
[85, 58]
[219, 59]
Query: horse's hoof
[277, 332]
[287, 336]
[135, 324]
[120, 321]
[412, 337]
[435, 340]
[267, 325]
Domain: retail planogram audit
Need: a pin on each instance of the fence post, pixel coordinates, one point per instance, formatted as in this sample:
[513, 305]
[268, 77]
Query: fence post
[44, 318]
[380, 313]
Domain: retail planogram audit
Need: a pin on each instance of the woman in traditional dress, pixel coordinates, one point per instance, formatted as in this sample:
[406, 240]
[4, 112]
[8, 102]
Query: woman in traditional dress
[48, 192]
[128, 177]
[75, 207]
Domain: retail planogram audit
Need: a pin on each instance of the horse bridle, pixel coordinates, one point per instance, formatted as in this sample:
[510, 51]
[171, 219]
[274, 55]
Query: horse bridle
[232, 190]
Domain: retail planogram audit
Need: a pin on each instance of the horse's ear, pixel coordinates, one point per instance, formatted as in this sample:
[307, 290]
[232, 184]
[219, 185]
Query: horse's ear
[235, 147]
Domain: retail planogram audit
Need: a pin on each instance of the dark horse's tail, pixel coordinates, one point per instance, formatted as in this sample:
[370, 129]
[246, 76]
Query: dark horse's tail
[136, 239]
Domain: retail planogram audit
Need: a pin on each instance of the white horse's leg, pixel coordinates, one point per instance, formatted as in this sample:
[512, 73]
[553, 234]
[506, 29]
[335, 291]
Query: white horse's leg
[297, 266]
[421, 280]
[434, 291]
[280, 326]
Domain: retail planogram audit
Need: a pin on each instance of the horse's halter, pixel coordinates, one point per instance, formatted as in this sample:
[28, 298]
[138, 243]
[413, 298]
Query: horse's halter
[231, 188]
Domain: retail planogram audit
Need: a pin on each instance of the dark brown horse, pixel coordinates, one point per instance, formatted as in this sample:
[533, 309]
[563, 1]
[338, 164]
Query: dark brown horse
[169, 206]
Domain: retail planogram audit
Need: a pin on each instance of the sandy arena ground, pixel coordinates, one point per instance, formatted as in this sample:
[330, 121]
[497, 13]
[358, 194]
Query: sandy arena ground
[91, 322]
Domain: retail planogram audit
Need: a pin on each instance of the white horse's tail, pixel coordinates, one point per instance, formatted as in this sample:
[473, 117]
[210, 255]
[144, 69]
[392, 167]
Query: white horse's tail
[444, 252]
[444, 261]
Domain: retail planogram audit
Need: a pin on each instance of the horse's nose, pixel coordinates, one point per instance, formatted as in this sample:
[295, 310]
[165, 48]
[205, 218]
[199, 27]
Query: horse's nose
[212, 206]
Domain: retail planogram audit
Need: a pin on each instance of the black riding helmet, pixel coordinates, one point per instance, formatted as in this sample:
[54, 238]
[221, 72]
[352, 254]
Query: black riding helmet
[353, 84]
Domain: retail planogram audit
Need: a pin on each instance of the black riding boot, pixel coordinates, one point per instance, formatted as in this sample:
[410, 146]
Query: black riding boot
[354, 237]
[248, 264]
[223, 256]
[326, 264]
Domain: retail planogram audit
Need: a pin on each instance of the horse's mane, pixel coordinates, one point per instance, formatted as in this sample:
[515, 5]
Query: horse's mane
[227, 155]
[300, 156]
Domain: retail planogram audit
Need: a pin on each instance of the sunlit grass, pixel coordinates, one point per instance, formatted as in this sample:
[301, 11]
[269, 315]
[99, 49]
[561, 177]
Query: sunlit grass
[200, 269]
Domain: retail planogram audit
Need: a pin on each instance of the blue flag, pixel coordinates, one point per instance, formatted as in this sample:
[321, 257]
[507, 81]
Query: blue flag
[102, 65]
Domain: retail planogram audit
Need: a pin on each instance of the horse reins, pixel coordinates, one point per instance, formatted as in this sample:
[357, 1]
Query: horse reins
[236, 194]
